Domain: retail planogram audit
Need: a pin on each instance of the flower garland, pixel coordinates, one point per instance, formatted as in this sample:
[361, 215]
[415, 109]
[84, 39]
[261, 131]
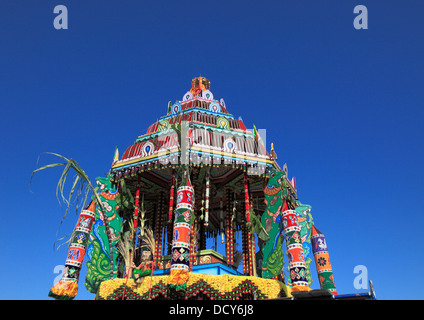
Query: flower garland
[214, 287]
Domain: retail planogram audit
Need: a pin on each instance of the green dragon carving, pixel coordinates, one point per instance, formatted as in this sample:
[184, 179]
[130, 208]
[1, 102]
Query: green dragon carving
[98, 250]
[275, 191]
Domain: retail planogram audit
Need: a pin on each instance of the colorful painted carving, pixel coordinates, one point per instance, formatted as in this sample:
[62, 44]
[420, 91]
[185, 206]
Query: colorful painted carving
[206, 94]
[223, 123]
[176, 108]
[214, 107]
[188, 96]
[305, 221]
[98, 264]
[144, 269]
[273, 254]
[180, 254]
[322, 260]
[296, 256]
[198, 85]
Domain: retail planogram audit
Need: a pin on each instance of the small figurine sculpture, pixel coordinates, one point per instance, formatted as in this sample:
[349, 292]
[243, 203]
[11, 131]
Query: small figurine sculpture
[144, 269]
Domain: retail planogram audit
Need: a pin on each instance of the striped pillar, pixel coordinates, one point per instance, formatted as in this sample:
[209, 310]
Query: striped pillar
[322, 260]
[297, 266]
[67, 287]
[180, 253]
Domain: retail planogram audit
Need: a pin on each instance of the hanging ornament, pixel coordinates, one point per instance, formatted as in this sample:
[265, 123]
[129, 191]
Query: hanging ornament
[206, 222]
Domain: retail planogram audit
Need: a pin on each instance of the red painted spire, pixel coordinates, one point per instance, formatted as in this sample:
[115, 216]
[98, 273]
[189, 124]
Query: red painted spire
[315, 231]
[293, 182]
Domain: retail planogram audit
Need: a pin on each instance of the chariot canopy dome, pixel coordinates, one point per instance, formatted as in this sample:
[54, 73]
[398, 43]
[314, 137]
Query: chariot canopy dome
[210, 136]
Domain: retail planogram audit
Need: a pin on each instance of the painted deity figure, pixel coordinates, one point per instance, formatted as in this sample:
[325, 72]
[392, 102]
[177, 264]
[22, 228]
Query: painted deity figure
[144, 269]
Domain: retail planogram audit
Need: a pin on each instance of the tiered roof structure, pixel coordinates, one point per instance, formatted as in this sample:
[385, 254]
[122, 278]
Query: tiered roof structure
[197, 175]
[215, 143]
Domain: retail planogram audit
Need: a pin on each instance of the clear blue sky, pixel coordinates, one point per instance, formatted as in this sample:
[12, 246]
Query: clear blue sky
[344, 109]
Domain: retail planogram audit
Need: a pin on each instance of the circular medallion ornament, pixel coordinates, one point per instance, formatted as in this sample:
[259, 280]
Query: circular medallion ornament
[229, 145]
[188, 95]
[214, 107]
[148, 149]
[176, 107]
[223, 123]
[163, 125]
[207, 95]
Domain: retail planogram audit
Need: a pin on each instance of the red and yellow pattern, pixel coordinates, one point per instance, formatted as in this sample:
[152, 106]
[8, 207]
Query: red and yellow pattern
[214, 287]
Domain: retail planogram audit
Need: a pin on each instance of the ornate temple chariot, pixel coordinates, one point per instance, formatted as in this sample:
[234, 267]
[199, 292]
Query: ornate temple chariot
[196, 208]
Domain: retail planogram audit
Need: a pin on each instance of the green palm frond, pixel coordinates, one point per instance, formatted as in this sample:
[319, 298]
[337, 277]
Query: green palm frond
[81, 184]
[124, 246]
[257, 227]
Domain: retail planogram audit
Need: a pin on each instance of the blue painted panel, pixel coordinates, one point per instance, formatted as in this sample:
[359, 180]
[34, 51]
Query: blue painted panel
[212, 268]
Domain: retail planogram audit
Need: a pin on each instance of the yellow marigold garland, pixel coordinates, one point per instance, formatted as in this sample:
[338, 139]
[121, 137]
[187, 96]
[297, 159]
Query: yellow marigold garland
[221, 286]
